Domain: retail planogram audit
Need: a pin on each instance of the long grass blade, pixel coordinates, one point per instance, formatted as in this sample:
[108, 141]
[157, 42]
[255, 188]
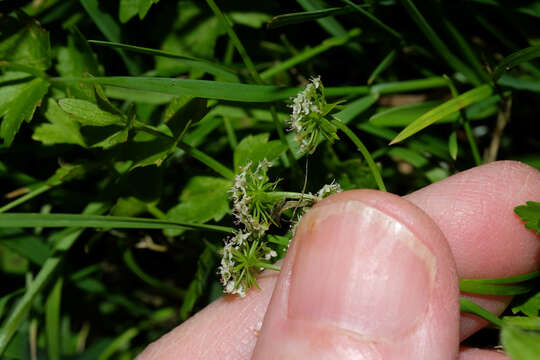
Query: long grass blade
[304, 16]
[30, 220]
[196, 88]
[193, 62]
[443, 110]
[516, 58]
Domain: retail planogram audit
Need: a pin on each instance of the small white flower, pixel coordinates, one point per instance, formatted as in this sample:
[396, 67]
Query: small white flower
[329, 189]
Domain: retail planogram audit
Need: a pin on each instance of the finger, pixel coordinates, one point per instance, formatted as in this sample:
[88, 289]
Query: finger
[466, 353]
[475, 211]
[243, 316]
[368, 275]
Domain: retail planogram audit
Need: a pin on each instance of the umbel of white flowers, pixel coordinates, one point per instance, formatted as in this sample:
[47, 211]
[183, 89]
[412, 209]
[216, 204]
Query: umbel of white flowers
[247, 252]
[308, 119]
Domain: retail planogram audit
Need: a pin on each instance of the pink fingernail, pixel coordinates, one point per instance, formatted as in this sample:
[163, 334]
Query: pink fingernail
[360, 270]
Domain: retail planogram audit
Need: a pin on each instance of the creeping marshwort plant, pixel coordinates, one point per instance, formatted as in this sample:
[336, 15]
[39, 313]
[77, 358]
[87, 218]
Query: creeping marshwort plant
[255, 200]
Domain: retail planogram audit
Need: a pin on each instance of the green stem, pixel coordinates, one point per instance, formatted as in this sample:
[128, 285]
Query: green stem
[467, 306]
[363, 150]
[32, 194]
[309, 53]
[230, 132]
[236, 41]
[474, 148]
[290, 195]
[374, 19]
[281, 134]
[267, 266]
[197, 154]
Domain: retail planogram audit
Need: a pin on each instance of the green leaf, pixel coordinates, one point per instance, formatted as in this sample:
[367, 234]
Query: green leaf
[520, 337]
[453, 145]
[11, 262]
[28, 246]
[205, 267]
[203, 199]
[29, 220]
[255, 148]
[6, 298]
[530, 214]
[300, 17]
[25, 43]
[89, 114]
[21, 108]
[530, 306]
[406, 114]
[514, 59]
[251, 19]
[196, 88]
[330, 24]
[355, 108]
[127, 9]
[519, 83]
[144, 6]
[190, 62]
[451, 106]
[467, 306]
[61, 128]
[52, 320]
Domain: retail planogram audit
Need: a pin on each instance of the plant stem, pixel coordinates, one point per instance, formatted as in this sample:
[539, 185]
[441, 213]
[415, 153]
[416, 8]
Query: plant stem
[32, 194]
[374, 19]
[268, 266]
[474, 148]
[236, 41]
[363, 150]
[230, 132]
[467, 306]
[291, 195]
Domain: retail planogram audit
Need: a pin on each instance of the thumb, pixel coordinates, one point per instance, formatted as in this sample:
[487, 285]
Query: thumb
[368, 276]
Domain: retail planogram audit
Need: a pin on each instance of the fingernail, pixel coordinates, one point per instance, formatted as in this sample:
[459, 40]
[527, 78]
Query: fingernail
[359, 269]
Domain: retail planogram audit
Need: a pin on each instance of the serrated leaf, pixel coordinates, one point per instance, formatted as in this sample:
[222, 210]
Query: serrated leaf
[514, 59]
[255, 148]
[21, 108]
[61, 129]
[530, 214]
[451, 106]
[25, 43]
[203, 199]
[89, 114]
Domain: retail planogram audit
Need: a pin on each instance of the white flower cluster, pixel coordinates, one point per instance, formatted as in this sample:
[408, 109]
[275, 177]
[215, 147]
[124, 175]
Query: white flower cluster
[329, 189]
[242, 200]
[231, 284]
[303, 105]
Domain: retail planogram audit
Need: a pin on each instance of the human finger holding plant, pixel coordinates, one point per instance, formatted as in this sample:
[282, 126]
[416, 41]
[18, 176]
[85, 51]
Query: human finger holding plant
[368, 275]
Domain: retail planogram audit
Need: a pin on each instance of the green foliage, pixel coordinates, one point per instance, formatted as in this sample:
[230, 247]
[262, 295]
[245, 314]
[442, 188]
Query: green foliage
[120, 146]
[530, 214]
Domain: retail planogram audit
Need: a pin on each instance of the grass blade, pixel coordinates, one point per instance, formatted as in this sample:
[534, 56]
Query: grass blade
[52, 320]
[383, 65]
[304, 16]
[29, 220]
[467, 306]
[514, 59]
[470, 97]
[108, 27]
[374, 19]
[193, 62]
[196, 88]
[355, 108]
[438, 44]
[331, 25]
[492, 289]
[309, 53]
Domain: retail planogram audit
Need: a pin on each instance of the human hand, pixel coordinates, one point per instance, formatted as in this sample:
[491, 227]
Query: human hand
[369, 275]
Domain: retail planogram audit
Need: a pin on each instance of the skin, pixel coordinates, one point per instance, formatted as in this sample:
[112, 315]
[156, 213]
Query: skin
[461, 227]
